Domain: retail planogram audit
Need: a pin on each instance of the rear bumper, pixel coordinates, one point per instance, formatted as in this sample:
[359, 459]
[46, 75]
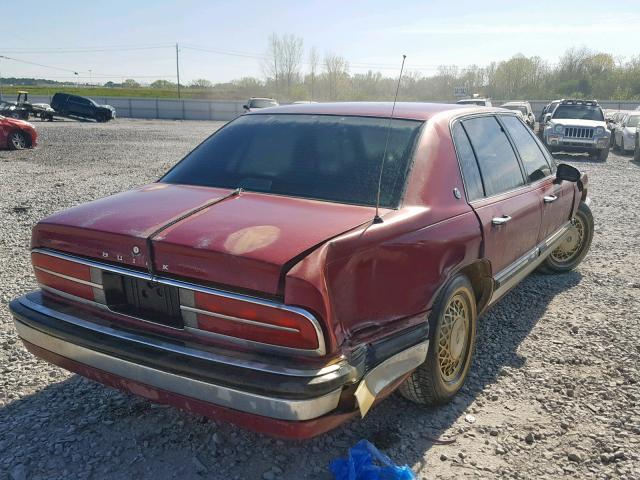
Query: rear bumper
[270, 397]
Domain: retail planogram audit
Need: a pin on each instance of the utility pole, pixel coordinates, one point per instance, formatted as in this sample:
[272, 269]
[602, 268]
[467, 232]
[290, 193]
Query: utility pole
[90, 78]
[178, 69]
[0, 84]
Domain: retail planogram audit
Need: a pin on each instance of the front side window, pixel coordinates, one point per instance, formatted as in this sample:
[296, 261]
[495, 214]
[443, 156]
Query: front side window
[535, 163]
[498, 162]
[324, 157]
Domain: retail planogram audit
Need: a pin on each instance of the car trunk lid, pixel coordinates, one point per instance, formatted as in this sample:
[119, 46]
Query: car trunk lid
[199, 233]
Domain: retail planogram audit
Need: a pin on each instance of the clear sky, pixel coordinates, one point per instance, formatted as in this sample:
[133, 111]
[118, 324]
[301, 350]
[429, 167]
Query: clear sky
[66, 34]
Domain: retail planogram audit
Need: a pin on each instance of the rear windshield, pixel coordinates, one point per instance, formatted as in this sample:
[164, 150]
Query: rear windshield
[322, 157]
[582, 112]
[633, 121]
[516, 108]
[262, 103]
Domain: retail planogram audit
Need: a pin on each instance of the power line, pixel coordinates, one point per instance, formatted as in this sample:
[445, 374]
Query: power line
[39, 64]
[56, 50]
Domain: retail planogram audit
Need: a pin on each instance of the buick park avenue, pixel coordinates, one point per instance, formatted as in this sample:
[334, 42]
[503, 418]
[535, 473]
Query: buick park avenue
[258, 282]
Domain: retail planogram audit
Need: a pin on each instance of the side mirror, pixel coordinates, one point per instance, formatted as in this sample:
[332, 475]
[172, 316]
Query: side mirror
[246, 107]
[547, 117]
[568, 173]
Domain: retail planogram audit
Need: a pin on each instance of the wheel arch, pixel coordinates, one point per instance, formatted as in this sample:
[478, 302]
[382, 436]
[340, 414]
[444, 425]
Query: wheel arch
[479, 274]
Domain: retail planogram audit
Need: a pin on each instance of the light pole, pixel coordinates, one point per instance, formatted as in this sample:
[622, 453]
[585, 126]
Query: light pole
[90, 79]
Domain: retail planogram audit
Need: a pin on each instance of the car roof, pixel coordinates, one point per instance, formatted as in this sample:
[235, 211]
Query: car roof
[518, 102]
[403, 110]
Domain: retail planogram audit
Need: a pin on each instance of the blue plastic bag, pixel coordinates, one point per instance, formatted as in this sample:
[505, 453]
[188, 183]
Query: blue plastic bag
[366, 462]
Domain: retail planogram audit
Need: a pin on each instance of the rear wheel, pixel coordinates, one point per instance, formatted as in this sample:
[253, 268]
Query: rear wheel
[575, 245]
[18, 140]
[453, 331]
[636, 153]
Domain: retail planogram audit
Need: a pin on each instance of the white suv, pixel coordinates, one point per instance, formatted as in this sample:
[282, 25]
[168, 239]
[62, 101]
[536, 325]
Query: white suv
[578, 126]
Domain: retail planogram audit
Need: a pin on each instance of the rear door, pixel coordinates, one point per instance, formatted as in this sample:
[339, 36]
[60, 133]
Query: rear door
[556, 199]
[508, 209]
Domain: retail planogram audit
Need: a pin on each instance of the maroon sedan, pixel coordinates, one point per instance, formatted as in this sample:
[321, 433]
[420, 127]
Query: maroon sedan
[17, 134]
[256, 282]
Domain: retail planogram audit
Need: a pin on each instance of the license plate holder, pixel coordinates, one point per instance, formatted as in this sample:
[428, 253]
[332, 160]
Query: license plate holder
[143, 299]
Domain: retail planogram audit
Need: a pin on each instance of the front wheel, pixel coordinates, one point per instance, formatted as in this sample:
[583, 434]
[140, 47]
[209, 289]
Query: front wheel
[574, 246]
[18, 140]
[601, 155]
[453, 332]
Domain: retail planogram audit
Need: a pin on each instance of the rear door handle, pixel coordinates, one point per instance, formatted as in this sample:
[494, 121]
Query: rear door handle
[550, 198]
[500, 220]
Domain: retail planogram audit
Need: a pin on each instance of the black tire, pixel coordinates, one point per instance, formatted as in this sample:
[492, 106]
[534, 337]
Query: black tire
[18, 140]
[428, 384]
[600, 155]
[636, 152]
[564, 258]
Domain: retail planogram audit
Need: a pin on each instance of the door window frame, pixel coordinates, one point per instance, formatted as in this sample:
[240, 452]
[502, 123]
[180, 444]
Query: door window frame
[496, 196]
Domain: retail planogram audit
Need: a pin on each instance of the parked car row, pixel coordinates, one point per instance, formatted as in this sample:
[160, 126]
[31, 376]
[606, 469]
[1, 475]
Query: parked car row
[62, 105]
[624, 127]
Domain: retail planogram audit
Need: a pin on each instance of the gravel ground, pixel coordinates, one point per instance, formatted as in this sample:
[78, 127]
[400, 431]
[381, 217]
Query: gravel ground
[554, 390]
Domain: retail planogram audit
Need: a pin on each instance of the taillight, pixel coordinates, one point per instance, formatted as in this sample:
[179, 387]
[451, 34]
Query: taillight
[64, 275]
[256, 322]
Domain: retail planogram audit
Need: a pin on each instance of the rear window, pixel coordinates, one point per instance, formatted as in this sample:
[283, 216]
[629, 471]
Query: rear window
[258, 103]
[498, 162]
[323, 157]
[633, 121]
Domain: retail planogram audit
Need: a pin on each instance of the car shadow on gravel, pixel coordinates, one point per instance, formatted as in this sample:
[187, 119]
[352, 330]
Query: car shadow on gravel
[88, 429]
[411, 428]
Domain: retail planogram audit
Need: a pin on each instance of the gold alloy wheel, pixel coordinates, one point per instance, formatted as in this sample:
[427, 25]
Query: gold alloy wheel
[453, 340]
[572, 243]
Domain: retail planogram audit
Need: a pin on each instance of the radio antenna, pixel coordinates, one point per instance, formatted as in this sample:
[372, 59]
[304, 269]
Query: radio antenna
[377, 218]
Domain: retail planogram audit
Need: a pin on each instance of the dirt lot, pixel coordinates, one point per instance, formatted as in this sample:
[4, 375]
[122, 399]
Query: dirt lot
[554, 392]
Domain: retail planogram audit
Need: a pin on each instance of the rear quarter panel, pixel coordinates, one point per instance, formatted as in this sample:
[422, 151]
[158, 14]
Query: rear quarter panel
[381, 278]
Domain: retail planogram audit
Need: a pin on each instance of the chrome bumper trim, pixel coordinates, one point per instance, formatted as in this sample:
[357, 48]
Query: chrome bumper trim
[283, 409]
[388, 371]
[182, 350]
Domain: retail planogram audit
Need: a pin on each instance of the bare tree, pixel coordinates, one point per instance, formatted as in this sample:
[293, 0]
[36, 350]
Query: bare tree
[292, 50]
[272, 65]
[337, 72]
[314, 58]
[201, 83]
[283, 60]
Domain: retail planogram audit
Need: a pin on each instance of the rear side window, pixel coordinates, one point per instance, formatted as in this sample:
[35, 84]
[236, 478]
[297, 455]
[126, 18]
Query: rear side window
[535, 164]
[468, 164]
[498, 162]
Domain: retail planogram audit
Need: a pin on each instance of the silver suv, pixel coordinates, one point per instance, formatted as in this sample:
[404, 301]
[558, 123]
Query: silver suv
[578, 126]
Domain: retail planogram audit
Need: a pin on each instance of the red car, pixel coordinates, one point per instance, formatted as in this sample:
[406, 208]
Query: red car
[256, 281]
[17, 134]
